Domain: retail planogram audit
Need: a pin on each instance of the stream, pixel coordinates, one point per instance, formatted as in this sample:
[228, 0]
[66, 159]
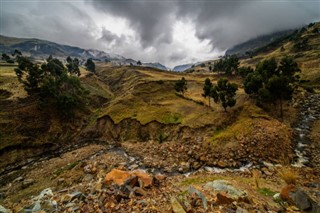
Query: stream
[308, 113]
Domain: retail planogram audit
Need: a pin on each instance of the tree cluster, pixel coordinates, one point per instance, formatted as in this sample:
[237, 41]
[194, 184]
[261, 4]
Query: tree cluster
[271, 82]
[181, 85]
[53, 84]
[14, 55]
[90, 65]
[224, 92]
[228, 65]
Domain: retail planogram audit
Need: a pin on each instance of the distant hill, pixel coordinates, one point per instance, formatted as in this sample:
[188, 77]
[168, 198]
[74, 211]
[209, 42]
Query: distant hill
[155, 65]
[256, 43]
[42, 49]
[181, 68]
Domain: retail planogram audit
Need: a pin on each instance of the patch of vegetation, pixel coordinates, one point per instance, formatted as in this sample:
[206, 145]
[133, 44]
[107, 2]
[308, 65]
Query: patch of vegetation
[228, 65]
[288, 175]
[242, 125]
[160, 81]
[271, 82]
[266, 191]
[53, 85]
[162, 137]
[181, 86]
[68, 167]
[172, 118]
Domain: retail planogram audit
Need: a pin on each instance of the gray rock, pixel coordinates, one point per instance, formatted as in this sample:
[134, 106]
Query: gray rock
[193, 190]
[44, 193]
[3, 210]
[36, 207]
[76, 195]
[224, 186]
[18, 179]
[241, 210]
[27, 182]
[304, 202]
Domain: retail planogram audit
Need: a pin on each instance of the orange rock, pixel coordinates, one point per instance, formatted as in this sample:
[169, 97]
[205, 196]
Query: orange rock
[144, 177]
[117, 176]
[120, 177]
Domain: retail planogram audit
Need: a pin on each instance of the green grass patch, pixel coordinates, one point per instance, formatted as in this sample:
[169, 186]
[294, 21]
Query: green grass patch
[266, 192]
[172, 118]
[68, 167]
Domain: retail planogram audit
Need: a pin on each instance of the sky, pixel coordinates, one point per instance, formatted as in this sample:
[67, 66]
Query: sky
[171, 32]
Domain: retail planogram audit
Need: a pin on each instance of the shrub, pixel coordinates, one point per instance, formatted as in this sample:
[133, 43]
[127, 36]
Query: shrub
[160, 81]
[288, 175]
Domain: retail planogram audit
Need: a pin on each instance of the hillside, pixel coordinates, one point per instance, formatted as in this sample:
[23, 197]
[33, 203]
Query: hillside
[306, 55]
[253, 44]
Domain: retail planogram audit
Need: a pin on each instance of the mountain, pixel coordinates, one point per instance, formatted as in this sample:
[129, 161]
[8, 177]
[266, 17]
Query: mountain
[155, 65]
[41, 49]
[253, 44]
[181, 68]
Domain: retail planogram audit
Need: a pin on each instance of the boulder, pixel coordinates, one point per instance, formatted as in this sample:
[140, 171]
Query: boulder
[299, 198]
[224, 186]
[145, 178]
[117, 176]
[194, 191]
[120, 177]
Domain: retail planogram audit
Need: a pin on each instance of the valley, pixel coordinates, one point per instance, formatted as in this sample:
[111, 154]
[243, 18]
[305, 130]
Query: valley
[84, 130]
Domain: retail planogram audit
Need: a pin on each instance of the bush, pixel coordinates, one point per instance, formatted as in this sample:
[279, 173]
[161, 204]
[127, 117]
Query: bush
[288, 175]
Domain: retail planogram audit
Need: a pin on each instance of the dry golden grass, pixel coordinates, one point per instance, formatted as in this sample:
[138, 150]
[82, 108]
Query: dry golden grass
[255, 176]
[9, 82]
[288, 175]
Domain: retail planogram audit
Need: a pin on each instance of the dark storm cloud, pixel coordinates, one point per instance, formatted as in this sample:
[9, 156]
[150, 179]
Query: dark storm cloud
[224, 23]
[151, 19]
[61, 23]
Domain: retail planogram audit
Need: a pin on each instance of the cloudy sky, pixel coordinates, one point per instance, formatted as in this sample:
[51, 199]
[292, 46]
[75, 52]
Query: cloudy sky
[171, 32]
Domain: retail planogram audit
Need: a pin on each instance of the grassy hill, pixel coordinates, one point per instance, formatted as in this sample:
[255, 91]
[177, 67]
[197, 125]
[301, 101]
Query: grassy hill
[308, 57]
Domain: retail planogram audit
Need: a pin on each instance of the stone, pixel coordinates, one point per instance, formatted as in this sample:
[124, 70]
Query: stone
[241, 210]
[36, 207]
[221, 164]
[117, 176]
[196, 165]
[27, 182]
[160, 177]
[223, 199]
[44, 193]
[193, 191]
[61, 181]
[144, 177]
[224, 186]
[3, 210]
[140, 191]
[18, 179]
[176, 206]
